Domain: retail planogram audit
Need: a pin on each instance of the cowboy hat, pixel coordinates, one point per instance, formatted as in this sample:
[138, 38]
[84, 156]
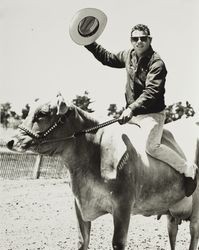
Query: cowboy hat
[87, 25]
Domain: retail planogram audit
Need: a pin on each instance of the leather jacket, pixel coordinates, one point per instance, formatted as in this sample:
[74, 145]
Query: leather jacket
[145, 86]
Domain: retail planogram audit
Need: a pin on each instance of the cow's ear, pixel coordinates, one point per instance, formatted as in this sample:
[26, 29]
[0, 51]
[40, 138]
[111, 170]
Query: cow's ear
[62, 106]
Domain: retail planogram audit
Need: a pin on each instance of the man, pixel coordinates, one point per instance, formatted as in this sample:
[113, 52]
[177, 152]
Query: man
[145, 104]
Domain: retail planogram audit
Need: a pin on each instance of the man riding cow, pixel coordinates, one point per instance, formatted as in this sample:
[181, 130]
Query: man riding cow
[145, 87]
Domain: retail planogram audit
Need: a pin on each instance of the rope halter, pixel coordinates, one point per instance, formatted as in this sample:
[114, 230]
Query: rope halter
[41, 137]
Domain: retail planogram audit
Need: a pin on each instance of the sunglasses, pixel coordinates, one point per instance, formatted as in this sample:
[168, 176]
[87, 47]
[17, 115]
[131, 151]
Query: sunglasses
[136, 38]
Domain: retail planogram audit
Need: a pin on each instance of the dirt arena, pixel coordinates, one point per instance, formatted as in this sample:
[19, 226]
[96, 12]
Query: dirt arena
[39, 214]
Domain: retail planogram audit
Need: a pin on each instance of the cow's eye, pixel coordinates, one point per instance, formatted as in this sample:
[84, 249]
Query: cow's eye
[41, 114]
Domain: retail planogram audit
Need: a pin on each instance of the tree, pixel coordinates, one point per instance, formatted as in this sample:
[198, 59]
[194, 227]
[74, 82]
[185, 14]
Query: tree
[178, 110]
[173, 112]
[5, 114]
[83, 102]
[10, 118]
[113, 111]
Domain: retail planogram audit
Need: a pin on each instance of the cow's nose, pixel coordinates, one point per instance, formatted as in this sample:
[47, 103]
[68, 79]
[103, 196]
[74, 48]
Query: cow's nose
[10, 144]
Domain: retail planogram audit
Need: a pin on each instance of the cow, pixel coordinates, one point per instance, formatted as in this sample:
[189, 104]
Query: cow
[110, 171]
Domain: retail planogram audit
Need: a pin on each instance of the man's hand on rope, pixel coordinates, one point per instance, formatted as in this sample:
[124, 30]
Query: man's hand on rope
[126, 116]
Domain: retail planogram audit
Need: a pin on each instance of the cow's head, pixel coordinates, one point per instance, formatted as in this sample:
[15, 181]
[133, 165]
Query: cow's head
[43, 123]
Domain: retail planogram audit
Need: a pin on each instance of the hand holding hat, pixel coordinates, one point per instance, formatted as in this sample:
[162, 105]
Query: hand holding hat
[87, 25]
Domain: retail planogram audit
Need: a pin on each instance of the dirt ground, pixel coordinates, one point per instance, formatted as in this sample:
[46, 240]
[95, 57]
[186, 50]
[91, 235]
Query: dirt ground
[39, 214]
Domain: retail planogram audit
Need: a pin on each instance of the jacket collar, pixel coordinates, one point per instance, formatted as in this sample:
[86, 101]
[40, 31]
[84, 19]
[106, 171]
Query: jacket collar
[147, 55]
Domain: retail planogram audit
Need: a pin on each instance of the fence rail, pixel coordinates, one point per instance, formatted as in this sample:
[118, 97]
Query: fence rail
[30, 166]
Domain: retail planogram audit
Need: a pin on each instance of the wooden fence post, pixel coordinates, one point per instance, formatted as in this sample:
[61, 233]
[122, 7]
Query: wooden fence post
[36, 170]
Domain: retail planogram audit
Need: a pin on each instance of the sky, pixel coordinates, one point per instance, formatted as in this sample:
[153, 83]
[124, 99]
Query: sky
[38, 57]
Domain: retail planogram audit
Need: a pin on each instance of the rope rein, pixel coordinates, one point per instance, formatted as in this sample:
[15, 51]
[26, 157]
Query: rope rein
[94, 129]
[41, 137]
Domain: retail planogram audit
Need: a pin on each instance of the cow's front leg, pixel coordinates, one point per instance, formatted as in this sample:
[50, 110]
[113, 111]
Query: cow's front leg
[121, 218]
[83, 230]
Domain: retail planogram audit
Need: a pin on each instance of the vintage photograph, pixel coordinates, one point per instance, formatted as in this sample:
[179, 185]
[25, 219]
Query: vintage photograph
[99, 125]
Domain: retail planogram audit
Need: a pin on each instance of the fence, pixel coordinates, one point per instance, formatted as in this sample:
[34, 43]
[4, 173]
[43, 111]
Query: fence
[30, 166]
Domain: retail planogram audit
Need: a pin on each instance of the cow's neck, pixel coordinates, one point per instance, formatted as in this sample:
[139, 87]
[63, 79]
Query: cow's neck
[82, 154]
[82, 158]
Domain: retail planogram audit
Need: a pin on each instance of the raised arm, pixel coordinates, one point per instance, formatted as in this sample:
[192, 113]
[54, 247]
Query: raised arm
[107, 58]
